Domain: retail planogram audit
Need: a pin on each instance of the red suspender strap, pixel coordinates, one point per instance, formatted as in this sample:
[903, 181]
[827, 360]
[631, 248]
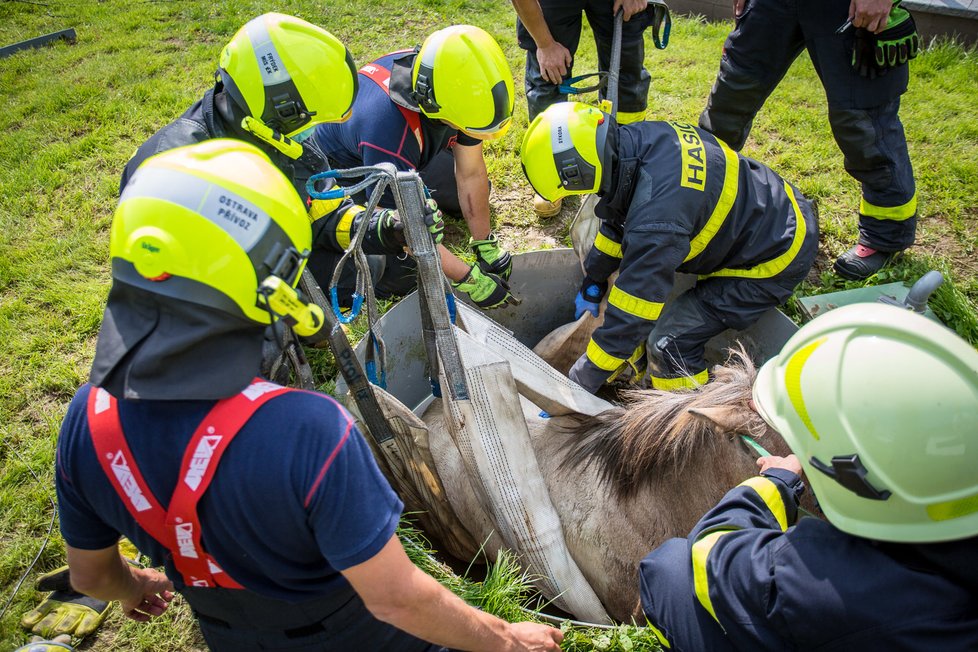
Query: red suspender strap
[382, 77]
[179, 529]
[200, 461]
[119, 465]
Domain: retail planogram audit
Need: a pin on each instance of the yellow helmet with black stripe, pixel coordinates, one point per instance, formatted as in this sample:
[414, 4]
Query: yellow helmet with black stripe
[211, 224]
[562, 150]
[289, 74]
[461, 76]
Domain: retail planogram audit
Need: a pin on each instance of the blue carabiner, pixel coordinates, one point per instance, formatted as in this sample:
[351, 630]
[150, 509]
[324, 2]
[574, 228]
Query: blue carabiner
[567, 87]
[335, 193]
[354, 311]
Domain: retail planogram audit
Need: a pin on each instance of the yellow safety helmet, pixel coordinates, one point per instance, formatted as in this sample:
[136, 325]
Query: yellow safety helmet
[289, 74]
[461, 76]
[881, 406]
[218, 225]
[562, 150]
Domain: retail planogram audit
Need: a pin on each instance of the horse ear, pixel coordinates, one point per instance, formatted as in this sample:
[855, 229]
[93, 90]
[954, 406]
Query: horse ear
[726, 419]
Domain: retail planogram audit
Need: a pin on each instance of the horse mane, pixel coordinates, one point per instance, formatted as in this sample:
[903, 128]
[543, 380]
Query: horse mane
[654, 430]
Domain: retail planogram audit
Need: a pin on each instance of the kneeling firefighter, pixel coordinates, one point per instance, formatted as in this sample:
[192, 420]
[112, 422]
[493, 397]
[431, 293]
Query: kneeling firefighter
[673, 199]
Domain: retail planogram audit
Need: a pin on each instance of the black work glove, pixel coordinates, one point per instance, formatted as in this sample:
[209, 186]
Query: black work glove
[873, 55]
[434, 220]
[390, 231]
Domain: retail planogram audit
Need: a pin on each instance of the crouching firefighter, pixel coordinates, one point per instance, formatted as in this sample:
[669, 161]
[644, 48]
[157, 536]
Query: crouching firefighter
[269, 92]
[263, 503]
[891, 460]
[673, 199]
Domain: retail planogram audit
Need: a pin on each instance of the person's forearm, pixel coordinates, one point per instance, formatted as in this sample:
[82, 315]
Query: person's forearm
[454, 268]
[532, 18]
[112, 582]
[434, 613]
[473, 197]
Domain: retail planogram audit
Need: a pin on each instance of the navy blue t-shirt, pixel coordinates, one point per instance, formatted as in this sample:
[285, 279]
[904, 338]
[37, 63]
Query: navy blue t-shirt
[378, 132]
[296, 497]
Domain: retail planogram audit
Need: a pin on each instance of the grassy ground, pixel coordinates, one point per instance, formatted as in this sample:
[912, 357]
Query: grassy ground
[73, 114]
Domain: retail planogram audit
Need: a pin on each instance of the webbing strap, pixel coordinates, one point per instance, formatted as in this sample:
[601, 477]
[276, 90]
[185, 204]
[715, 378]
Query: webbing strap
[382, 77]
[178, 528]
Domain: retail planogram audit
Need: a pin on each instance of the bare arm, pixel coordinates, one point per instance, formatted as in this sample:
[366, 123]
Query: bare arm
[454, 267]
[870, 14]
[473, 189]
[554, 58]
[144, 593]
[398, 592]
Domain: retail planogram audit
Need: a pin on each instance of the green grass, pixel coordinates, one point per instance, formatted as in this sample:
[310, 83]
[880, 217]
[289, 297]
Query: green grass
[73, 114]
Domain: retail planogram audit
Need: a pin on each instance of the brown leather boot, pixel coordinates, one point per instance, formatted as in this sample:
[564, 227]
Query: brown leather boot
[544, 208]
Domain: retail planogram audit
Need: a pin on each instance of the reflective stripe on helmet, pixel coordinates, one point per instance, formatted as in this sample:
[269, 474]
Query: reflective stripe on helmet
[236, 216]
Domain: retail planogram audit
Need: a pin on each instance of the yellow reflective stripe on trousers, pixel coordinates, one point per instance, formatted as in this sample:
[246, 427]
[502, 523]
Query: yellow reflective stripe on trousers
[894, 213]
[343, 226]
[768, 491]
[731, 182]
[683, 382]
[700, 553]
[792, 383]
[606, 245]
[634, 305]
[777, 265]
[601, 359]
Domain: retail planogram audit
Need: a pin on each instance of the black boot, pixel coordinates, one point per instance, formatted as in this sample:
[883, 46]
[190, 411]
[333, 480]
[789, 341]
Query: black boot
[861, 262]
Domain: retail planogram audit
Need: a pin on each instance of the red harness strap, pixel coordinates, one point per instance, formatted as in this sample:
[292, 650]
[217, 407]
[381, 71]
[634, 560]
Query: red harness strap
[382, 77]
[178, 528]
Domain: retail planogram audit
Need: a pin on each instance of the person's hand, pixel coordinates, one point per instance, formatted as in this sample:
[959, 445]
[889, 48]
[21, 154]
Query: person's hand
[789, 463]
[587, 374]
[589, 297]
[434, 220]
[150, 595]
[630, 7]
[486, 290]
[870, 15]
[536, 637]
[492, 258]
[390, 230]
[554, 61]
[738, 7]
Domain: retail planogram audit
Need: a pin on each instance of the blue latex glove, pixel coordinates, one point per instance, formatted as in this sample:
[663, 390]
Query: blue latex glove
[589, 297]
[586, 374]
